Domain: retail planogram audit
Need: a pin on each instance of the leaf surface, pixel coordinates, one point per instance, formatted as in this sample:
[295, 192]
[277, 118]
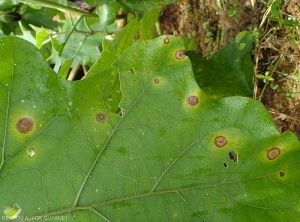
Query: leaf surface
[173, 154]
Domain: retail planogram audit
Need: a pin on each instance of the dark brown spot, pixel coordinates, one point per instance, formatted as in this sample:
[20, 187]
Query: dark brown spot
[100, 117]
[225, 165]
[220, 141]
[180, 54]
[25, 125]
[273, 153]
[156, 81]
[166, 40]
[233, 156]
[282, 174]
[192, 100]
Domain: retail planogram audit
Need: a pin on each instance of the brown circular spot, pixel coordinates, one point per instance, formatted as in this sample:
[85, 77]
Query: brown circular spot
[137, 35]
[220, 141]
[100, 117]
[192, 100]
[156, 81]
[24, 125]
[166, 40]
[273, 153]
[180, 54]
[282, 174]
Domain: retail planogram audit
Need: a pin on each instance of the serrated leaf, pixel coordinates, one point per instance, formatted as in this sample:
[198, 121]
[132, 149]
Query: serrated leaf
[112, 49]
[173, 154]
[229, 72]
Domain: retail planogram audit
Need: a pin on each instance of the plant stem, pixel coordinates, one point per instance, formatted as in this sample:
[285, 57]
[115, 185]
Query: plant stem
[69, 34]
[59, 7]
[262, 92]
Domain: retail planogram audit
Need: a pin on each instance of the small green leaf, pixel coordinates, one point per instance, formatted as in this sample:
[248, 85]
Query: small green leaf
[27, 35]
[41, 35]
[107, 13]
[147, 24]
[65, 69]
[269, 78]
[260, 76]
[57, 46]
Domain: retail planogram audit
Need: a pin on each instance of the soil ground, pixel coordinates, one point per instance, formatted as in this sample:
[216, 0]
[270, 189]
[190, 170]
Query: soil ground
[214, 26]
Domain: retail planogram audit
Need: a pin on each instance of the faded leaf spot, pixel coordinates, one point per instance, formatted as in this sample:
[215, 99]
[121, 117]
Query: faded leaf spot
[273, 153]
[180, 54]
[220, 141]
[31, 152]
[137, 35]
[166, 40]
[100, 117]
[192, 100]
[24, 125]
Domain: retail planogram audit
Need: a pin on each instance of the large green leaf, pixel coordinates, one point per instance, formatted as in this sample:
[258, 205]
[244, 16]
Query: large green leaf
[229, 72]
[173, 154]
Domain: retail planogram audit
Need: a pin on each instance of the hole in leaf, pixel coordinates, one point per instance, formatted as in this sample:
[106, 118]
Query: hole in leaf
[282, 174]
[220, 141]
[192, 100]
[233, 156]
[180, 54]
[12, 212]
[24, 125]
[273, 153]
[100, 117]
[31, 152]
[166, 40]
[225, 165]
